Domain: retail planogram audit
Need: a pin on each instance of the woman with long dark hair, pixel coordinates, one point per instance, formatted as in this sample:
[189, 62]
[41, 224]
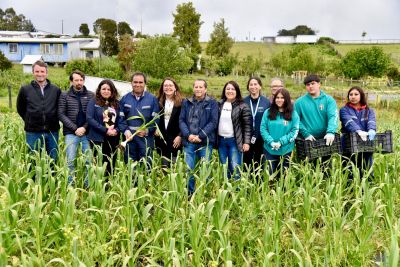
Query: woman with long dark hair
[234, 128]
[279, 129]
[168, 140]
[357, 117]
[102, 119]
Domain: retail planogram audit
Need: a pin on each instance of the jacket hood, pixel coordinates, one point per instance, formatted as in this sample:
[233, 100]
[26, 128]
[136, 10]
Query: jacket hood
[192, 99]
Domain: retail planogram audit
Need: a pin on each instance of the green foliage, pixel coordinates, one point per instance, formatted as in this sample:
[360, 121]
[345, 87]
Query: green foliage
[107, 29]
[161, 56]
[124, 28]
[127, 49]
[298, 58]
[250, 65]
[108, 67]
[187, 27]
[84, 29]
[364, 62]
[5, 64]
[298, 30]
[222, 66]
[220, 43]
[87, 66]
[10, 21]
[326, 40]
[393, 73]
[142, 216]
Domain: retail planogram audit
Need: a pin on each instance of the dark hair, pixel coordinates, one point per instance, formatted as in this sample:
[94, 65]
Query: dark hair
[177, 96]
[237, 89]
[254, 78]
[139, 74]
[113, 100]
[80, 73]
[311, 78]
[363, 98]
[287, 106]
[201, 80]
[39, 63]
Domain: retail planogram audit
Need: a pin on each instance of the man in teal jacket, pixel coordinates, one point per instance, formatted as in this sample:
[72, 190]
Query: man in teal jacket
[317, 112]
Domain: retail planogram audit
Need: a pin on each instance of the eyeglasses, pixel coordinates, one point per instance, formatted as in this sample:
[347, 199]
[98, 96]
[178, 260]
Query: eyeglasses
[277, 86]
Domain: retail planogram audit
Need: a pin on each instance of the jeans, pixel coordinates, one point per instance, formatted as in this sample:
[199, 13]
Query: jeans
[228, 150]
[36, 140]
[72, 143]
[138, 148]
[274, 161]
[193, 153]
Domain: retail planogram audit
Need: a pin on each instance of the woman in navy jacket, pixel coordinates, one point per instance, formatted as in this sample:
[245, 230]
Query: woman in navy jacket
[102, 118]
[168, 139]
[357, 117]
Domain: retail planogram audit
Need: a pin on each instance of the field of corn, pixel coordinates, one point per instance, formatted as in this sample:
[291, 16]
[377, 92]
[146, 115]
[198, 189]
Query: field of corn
[144, 217]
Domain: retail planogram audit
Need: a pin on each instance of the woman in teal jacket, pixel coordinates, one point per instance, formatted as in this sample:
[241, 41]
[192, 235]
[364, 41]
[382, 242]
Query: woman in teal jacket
[279, 129]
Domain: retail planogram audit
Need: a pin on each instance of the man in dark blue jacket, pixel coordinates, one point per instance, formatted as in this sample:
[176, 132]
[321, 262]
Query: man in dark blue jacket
[37, 105]
[198, 122]
[138, 103]
[72, 113]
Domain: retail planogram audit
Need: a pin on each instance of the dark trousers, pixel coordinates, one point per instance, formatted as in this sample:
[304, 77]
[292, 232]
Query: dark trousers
[363, 161]
[277, 162]
[255, 155]
[107, 149]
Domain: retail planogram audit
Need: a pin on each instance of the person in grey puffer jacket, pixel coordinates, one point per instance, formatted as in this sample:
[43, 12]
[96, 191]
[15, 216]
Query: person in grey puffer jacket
[234, 128]
[72, 113]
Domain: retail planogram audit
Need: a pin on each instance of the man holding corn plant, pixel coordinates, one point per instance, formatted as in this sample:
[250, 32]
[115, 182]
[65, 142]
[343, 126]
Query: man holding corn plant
[137, 109]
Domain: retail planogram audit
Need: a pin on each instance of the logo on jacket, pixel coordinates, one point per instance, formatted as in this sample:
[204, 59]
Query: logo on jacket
[321, 107]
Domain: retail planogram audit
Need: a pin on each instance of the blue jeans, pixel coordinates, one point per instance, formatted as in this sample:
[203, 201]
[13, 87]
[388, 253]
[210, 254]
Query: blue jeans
[36, 140]
[228, 150]
[72, 144]
[274, 161]
[193, 153]
[138, 148]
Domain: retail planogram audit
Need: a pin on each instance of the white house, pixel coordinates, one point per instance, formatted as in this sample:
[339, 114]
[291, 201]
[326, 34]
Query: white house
[28, 61]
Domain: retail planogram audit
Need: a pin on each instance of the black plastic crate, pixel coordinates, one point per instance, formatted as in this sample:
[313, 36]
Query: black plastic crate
[315, 149]
[352, 143]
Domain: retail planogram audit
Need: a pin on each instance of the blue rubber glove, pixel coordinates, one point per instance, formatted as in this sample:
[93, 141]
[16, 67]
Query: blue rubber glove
[371, 135]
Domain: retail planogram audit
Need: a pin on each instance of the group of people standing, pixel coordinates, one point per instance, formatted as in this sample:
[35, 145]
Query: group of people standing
[248, 130]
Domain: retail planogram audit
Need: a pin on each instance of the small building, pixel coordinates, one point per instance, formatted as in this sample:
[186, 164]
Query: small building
[285, 39]
[53, 50]
[91, 50]
[28, 61]
[268, 39]
[306, 39]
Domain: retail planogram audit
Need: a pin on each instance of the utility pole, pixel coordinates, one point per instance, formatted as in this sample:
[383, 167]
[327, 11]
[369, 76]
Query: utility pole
[62, 26]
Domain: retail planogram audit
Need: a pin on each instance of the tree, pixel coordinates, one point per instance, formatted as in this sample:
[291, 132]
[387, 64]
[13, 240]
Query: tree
[162, 56]
[187, 27]
[107, 30]
[220, 43]
[127, 49]
[84, 29]
[364, 62]
[363, 34]
[124, 28]
[5, 64]
[298, 30]
[10, 21]
[298, 58]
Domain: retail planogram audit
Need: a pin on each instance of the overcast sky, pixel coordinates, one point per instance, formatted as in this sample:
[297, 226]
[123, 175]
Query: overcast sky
[340, 19]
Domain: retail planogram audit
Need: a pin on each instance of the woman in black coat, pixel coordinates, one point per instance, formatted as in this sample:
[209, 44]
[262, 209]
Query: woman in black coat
[168, 139]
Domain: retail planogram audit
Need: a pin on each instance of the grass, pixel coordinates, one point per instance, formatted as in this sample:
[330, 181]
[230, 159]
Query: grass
[144, 218]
